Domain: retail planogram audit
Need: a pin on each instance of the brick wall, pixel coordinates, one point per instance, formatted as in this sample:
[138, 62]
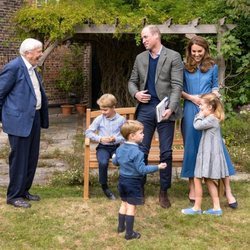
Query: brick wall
[9, 46]
[51, 71]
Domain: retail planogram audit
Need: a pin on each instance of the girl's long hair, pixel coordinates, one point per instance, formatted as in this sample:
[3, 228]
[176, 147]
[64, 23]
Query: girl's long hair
[206, 63]
[212, 100]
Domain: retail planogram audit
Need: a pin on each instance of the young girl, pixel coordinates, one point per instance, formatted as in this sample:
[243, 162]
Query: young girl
[210, 162]
[132, 169]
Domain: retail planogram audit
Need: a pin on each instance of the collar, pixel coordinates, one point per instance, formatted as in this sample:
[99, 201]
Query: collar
[28, 65]
[130, 142]
[111, 118]
[157, 54]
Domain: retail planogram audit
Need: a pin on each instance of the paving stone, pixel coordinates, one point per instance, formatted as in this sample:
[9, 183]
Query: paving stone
[59, 136]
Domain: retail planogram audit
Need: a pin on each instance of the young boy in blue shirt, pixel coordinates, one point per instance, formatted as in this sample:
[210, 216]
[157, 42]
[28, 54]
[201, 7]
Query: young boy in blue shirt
[132, 169]
[108, 126]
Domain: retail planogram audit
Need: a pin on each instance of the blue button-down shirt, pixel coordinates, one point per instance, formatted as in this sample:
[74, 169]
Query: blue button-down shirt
[103, 126]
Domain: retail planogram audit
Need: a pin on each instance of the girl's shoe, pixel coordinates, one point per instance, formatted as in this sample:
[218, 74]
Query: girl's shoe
[213, 212]
[191, 211]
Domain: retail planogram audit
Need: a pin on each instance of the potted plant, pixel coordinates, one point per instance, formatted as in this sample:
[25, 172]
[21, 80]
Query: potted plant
[71, 78]
[80, 108]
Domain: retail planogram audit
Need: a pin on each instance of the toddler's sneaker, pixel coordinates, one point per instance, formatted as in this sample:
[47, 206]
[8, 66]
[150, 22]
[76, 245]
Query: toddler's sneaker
[213, 212]
[191, 211]
[134, 235]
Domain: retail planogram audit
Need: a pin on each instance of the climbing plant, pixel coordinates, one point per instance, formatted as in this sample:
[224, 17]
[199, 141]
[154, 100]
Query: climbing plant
[236, 50]
[57, 21]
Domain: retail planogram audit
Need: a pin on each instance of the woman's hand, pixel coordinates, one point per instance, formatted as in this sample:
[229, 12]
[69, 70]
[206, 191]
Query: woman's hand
[192, 98]
[216, 92]
[195, 99]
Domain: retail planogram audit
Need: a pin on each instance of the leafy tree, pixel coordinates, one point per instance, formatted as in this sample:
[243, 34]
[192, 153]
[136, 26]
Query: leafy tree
[52, 23]
[236, 47]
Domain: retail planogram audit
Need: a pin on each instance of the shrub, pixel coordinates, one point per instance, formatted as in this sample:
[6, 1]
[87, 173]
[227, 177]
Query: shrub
[236, 135]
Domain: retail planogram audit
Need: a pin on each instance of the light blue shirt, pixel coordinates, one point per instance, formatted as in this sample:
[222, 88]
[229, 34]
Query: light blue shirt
[103, 126]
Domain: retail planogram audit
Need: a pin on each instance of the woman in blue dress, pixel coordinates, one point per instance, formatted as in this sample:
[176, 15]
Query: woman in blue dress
[200, 77]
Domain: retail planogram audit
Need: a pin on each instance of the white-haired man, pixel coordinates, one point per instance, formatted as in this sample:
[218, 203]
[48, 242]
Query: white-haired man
[24, 110]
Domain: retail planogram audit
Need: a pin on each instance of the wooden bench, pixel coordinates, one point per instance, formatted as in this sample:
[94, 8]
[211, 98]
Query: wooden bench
[90, 160]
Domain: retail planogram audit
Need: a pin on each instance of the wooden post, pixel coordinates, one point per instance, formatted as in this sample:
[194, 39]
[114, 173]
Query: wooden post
[220, 58]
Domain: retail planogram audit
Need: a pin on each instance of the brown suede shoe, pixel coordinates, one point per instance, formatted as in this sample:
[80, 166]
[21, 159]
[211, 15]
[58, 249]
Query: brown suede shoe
[163, 199]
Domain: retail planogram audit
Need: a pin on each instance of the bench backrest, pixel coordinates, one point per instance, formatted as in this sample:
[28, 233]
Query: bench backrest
[128, 113]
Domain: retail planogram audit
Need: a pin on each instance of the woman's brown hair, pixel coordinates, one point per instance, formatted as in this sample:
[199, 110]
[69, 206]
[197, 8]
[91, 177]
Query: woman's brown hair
[206, 63]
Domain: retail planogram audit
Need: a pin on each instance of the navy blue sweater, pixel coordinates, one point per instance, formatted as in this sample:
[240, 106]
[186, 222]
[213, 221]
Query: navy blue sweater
[131, 161]
[150, 84]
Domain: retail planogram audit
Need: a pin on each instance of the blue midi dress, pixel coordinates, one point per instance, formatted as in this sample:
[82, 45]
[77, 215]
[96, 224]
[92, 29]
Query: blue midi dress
[197, 83]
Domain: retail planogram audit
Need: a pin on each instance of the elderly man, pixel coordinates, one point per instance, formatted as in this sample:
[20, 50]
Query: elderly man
[157, 73]
[24, 110]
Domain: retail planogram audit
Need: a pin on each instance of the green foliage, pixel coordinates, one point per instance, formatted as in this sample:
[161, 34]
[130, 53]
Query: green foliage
[74, 175]
[236, 129]
[55, 21]
[241, 7]
[236, 134]
[235, 48]
[71, 73]
[230, 46]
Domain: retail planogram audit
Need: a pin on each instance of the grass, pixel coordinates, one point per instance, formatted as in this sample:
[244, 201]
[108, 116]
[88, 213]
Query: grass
[62, 220]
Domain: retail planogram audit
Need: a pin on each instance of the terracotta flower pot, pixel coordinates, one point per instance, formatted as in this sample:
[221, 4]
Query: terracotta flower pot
[80, 108]
[67, 109]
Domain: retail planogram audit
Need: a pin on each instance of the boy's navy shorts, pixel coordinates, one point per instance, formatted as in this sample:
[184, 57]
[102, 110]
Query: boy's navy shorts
[130, 190]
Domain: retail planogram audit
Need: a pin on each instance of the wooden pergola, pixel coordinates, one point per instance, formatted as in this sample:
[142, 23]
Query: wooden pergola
[189, 30]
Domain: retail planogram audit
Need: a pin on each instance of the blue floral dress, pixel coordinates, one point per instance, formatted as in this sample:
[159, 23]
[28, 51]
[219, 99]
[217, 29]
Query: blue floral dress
[197, 83]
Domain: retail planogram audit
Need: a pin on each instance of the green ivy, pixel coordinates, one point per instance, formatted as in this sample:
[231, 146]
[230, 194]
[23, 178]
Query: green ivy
[52, 22]
[55, 21]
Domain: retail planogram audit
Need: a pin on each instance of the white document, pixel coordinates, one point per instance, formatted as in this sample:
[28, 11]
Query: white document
[161, 107]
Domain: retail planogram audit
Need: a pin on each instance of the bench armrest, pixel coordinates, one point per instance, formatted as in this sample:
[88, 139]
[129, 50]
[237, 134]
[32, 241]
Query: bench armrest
[87, 142]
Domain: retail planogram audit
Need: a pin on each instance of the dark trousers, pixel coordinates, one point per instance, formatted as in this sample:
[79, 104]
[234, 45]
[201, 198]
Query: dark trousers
[23, 160]
[147, 116]
[103, 154]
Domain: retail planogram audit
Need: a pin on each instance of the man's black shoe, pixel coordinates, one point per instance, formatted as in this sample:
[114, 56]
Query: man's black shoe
[109, 194]
[32, 197]
[19, 202]
[163, 199]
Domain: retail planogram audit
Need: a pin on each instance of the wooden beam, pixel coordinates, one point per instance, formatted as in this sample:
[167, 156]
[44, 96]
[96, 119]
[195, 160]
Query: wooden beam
[169, 22]
[195, 22]
[164, 28]
[222, 21]
[116, 21]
